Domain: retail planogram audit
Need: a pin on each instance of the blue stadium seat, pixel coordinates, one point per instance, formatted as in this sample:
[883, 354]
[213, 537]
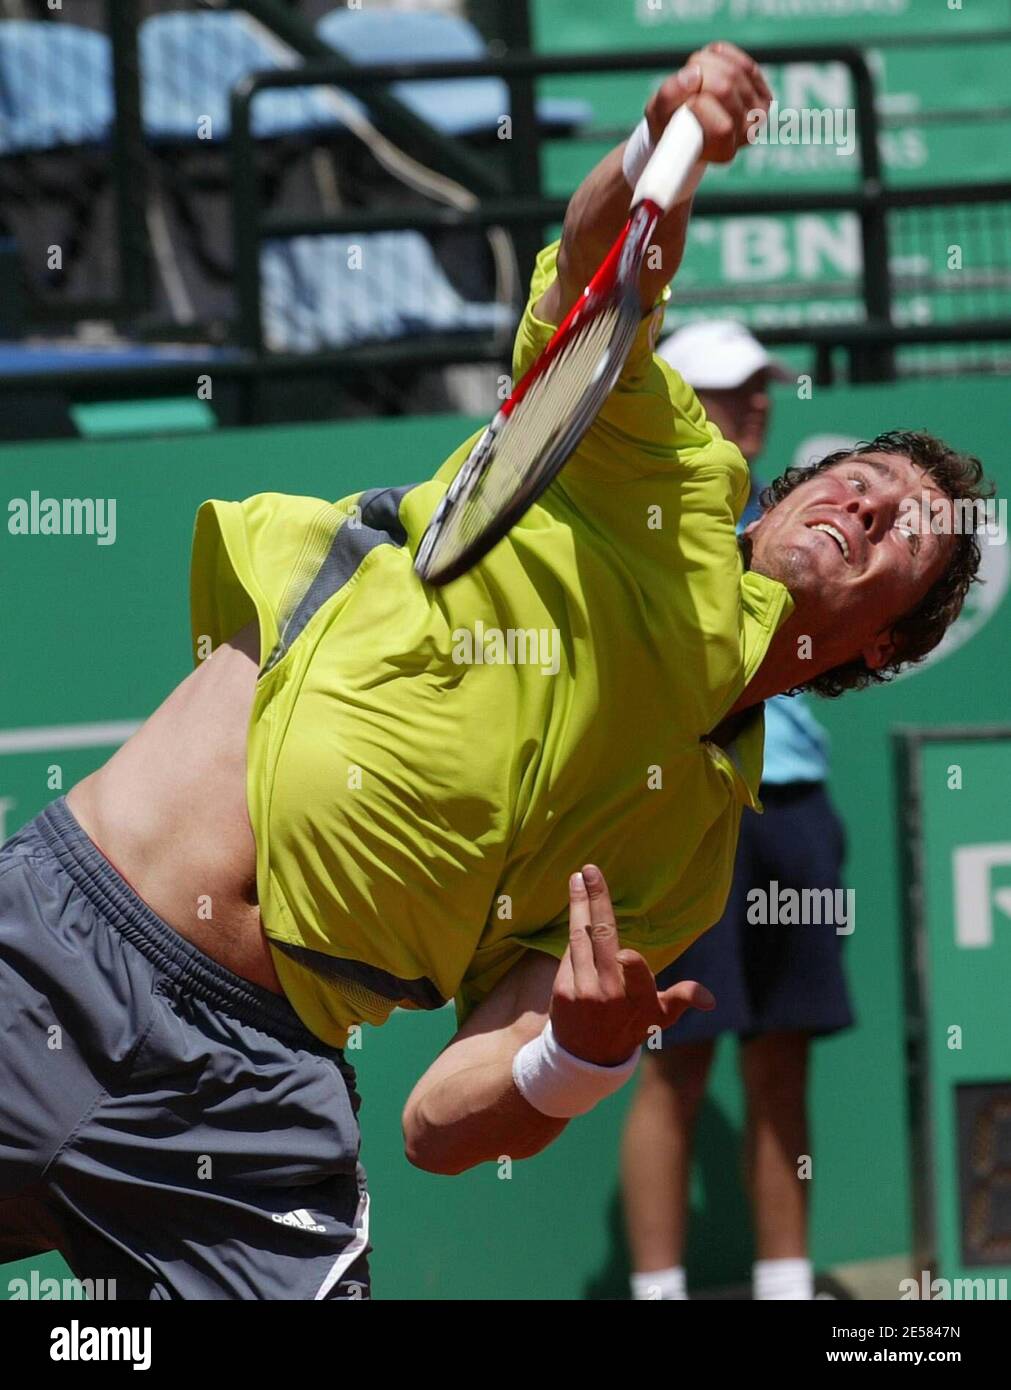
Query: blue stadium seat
[313, 299]
[55, 86]
[462, 106]
[191, 62]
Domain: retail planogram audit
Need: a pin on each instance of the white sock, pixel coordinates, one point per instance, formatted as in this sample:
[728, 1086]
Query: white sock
[773, 1279]
[659, 1285]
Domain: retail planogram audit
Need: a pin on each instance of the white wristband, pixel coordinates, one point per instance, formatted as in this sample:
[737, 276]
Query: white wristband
[560, 1085]
[639, 148]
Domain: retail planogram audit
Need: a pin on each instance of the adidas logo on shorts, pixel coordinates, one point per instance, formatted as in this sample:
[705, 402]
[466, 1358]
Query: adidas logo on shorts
[300, 1219]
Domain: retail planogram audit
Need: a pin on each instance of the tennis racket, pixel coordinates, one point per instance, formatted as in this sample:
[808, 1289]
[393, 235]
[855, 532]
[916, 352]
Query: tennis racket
[556, 401]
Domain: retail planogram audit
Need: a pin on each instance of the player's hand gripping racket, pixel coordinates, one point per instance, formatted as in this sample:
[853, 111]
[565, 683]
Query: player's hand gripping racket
[557, 400]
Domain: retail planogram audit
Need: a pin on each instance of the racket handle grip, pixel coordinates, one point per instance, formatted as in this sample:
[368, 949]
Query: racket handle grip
[673, 161]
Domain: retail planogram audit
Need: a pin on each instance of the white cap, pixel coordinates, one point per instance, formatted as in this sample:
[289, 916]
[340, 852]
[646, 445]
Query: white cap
[718, 355]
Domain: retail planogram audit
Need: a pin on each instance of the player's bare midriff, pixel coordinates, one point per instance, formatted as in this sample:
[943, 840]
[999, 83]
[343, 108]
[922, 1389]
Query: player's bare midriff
[169, 811]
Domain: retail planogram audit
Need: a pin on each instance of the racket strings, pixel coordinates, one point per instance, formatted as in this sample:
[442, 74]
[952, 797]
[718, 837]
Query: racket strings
[545, 411]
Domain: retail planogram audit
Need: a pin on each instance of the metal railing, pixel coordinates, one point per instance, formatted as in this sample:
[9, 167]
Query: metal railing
[524, 206]
[511, 198]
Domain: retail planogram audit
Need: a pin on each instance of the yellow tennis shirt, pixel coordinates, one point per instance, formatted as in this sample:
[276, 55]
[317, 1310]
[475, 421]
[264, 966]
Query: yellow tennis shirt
[426, 767]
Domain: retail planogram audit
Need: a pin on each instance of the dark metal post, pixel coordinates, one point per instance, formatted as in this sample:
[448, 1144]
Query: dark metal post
[524, 145]
[129, 159]
[245, 220]
[872, 363]
[823, 364]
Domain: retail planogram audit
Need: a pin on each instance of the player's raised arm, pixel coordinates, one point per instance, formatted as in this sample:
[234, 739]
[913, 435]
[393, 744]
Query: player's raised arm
[722, 85]
[623, 239]
[549, 1042]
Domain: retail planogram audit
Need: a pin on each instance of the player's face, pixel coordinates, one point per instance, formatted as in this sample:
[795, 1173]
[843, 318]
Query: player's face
[741, 415]
[843, 545]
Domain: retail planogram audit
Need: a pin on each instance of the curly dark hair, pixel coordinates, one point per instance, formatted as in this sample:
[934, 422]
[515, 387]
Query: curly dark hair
[960, 476]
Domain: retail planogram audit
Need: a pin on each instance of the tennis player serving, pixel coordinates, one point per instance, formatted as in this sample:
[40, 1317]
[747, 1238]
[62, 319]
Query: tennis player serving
[373, 792]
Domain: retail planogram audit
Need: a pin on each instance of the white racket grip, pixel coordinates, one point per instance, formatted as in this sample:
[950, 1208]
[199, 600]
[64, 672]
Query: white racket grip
[673, 163]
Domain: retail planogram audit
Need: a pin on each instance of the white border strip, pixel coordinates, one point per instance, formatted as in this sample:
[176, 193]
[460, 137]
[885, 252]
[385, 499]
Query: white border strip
[41, 740]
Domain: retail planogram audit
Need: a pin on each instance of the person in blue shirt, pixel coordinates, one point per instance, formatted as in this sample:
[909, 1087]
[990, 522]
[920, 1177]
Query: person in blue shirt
[777, 984]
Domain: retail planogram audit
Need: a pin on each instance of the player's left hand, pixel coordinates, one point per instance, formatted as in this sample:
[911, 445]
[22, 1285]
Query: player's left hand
[605, 998]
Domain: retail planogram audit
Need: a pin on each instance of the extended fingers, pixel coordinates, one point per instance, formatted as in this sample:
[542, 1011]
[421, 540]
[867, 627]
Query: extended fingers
[580, 952]
[603, 930]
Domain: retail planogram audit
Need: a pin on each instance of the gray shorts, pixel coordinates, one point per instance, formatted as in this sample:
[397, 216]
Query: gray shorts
[164, 1123]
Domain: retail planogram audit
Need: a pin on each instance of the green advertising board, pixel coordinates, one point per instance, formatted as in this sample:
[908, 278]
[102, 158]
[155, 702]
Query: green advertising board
[944, 111]
[958, 963]
[561, 25]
